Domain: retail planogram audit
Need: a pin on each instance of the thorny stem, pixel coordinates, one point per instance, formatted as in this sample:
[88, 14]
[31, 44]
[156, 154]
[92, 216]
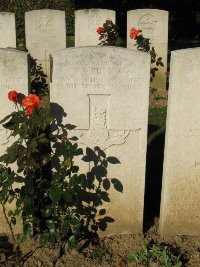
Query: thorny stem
[9, 224]
[11, 230]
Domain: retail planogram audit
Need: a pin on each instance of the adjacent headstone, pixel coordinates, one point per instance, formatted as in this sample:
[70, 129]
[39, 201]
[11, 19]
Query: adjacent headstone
[180, 204]
[13, 76]
[86, 23]
[7, 30]
[154, 25]
[45, 32]
[104, 92]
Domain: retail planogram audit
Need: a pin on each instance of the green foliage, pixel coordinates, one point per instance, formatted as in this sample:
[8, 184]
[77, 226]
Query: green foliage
[163, 255]
[52, 197]
[143, 44]
[108, 35]
[39, 84]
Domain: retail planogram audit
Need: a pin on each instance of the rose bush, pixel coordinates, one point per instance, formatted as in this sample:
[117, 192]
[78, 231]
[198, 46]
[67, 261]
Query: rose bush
[53, 199]
[108, 33]
[143, 44]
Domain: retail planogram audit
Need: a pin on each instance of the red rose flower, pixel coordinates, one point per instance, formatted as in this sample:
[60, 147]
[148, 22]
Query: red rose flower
[31, 102]
[107, 21]
[12, 96]
[134, 33]
[28, 111]
[99, 30]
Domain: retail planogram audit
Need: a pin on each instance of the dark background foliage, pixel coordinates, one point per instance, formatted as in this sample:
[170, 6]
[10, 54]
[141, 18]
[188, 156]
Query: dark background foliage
[184, 15]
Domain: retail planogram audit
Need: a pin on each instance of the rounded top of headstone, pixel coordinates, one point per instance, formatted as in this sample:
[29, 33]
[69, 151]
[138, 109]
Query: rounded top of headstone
[107, 49]
[86, 10]
[7, 13]
[148, 10]
[44, 11]
[187, 50]
[12, 50]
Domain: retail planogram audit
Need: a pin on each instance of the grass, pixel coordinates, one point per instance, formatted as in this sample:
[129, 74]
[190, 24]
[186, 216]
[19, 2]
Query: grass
[156, 122]
[70, 42]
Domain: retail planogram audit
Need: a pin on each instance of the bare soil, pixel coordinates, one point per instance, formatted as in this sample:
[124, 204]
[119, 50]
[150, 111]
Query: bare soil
[110, 251]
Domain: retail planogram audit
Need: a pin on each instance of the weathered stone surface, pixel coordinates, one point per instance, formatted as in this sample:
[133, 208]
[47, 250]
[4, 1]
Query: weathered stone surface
[13, 76]
[180, 203]
[86, 23]
[45, 32]
[104, 91]
[154, 25]
[7, 30]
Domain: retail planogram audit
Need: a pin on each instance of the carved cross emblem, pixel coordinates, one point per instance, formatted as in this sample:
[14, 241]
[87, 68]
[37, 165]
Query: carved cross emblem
[99, 133]
[45, 24]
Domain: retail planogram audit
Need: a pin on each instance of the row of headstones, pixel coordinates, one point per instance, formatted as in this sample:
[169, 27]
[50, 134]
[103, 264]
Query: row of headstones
[104, 91]
[45, 31]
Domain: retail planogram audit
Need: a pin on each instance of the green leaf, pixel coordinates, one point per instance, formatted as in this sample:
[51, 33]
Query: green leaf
[3, 158]
[65, 227]
[9, 125]
[10, 213]
[5, 119]
[78, 152]
[51, 225]
[43, 140]
[27, 229]
[33, 144]
[67, 196]
[13, 220]
[19, 179]
[41, 135]
[47, 212]
[83, 180]
[55, 194]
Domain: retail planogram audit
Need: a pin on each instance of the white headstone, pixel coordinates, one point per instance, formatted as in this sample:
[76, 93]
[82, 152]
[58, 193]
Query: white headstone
[45, 32]
[86, 23]
[7, 30]
[13, 76]
[104, 91]
[180, 204]
[154, 25]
